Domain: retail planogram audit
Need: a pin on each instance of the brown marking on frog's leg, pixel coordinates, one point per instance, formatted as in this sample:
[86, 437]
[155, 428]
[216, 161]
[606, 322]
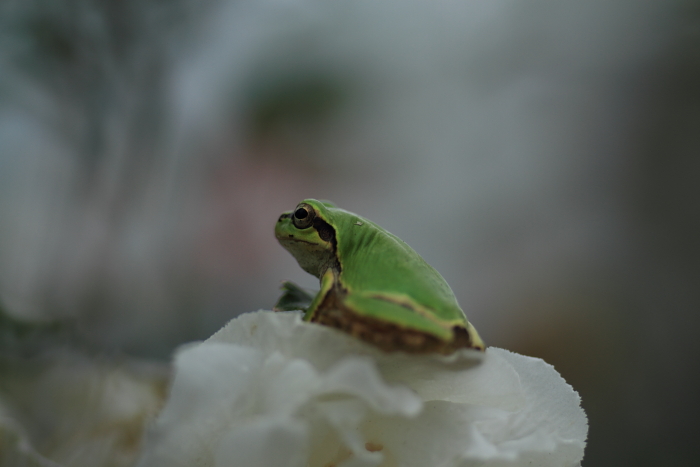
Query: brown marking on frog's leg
[389, 337]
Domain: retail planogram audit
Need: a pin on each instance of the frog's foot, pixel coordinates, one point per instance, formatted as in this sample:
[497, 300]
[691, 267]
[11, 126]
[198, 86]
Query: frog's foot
[293, 298]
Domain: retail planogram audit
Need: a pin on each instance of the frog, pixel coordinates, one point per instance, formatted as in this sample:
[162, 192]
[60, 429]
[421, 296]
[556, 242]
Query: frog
[373, 285]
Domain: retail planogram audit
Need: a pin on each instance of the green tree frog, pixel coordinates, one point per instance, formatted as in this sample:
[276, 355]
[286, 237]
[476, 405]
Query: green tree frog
[373, 285]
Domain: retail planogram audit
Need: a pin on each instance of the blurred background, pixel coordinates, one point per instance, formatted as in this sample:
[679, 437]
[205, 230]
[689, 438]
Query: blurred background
[543, 156]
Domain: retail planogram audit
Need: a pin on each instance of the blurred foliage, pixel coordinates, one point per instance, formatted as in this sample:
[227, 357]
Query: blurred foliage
[290, 101]
[103, 60]
[24, 338]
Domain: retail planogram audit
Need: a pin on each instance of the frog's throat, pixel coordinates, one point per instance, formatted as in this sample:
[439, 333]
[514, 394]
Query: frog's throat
[388, 336]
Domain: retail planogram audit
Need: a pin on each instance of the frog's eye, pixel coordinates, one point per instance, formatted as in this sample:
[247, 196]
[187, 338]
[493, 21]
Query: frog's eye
[303, 216]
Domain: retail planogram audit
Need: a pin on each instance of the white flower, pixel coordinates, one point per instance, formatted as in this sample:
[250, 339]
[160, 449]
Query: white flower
[269, 390]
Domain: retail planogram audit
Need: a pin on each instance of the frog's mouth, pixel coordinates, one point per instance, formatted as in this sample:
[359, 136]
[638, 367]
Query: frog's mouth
[291, 238]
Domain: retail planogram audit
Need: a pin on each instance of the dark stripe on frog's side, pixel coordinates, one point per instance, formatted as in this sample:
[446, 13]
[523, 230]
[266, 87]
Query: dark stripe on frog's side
[327, 234]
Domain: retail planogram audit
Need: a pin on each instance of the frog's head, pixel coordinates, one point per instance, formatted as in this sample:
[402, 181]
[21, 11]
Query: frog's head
[307, 233]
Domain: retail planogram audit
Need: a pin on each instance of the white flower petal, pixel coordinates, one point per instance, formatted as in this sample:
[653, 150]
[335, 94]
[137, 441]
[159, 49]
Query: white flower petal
[269, 389]
[359, 378]
[263, 442]
[192, 397]
[297, 378]
[346, 417]
[494, 385]
[550, 397]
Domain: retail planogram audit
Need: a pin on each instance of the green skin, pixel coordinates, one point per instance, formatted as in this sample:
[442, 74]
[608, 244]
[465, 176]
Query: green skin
[373, 285]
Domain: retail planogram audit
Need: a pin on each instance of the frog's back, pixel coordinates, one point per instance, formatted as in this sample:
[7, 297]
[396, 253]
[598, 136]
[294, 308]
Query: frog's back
[378, 263]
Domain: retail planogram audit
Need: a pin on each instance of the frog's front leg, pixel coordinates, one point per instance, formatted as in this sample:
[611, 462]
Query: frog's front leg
[328, 281]
[293, 298]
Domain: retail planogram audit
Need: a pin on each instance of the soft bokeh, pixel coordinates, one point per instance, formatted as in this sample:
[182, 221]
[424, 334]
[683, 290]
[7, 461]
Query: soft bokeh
[543, 156]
